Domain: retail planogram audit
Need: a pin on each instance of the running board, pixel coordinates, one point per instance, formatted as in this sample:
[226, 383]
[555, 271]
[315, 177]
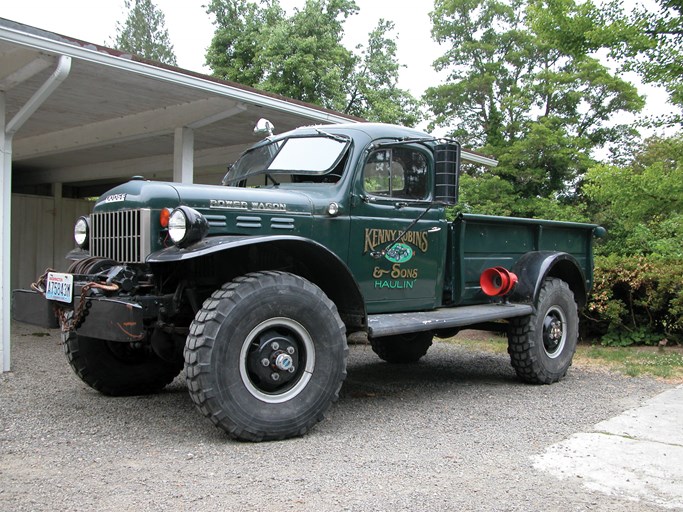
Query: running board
[444, 318]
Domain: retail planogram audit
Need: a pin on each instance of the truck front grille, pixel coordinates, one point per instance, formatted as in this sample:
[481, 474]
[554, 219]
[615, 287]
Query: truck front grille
[122, 236]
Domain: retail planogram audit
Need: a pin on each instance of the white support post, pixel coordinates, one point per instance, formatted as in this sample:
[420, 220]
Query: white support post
[183, 155]
[5, 250]
[9, 128]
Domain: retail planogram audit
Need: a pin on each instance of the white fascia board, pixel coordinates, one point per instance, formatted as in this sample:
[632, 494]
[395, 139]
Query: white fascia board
[101, 58]
[475, 158]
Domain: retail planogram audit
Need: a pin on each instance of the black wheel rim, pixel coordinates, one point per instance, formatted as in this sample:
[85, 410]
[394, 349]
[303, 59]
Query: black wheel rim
[554, 332]
[277, 360]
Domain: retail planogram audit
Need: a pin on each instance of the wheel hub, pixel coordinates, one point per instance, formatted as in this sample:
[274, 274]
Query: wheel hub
[285, 362]
[554, 335]
[273, 360]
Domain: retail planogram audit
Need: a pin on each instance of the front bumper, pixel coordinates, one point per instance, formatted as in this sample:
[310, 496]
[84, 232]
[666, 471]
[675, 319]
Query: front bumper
[32, 308]
[104, 318]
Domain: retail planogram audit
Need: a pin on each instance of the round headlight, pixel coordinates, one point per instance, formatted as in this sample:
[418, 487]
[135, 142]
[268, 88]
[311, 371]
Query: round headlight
[177, 226]
[82, 232]
[186, 226]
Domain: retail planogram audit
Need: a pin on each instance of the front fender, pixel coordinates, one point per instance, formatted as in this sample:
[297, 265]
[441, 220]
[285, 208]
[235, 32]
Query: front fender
[313, 261]
[206, 246]
[534, 267]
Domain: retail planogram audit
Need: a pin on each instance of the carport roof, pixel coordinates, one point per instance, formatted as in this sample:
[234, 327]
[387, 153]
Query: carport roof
[116, 114]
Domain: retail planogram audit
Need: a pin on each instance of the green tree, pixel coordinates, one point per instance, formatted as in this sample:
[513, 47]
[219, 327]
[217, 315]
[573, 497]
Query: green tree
[373, 91]
[648, 39]
[523, 86]
[144, 32]
[641, 204]
[236, 51]
[302, 57]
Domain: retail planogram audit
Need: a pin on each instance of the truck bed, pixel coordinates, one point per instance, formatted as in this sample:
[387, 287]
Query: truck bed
[478, 242]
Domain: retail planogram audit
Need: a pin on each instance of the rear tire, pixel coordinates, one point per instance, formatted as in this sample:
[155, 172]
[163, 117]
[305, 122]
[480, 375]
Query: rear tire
[118, 369]
[266, 356]
[542, 345]
[402, 348]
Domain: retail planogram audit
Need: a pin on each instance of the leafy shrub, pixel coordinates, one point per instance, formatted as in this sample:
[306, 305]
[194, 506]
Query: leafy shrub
[636, 300]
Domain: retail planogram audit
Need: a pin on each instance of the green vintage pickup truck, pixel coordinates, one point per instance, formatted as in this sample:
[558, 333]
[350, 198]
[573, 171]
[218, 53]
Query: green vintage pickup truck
[253, 286]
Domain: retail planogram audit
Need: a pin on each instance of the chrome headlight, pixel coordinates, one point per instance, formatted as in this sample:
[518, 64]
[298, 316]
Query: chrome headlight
[186, 226]
[82, 232]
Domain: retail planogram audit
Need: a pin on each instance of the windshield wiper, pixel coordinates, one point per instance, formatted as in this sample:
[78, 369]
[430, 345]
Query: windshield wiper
[338, 138]
[404, 140]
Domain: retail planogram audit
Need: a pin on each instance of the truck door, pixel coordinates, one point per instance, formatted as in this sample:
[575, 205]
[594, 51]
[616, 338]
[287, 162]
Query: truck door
[393, 188]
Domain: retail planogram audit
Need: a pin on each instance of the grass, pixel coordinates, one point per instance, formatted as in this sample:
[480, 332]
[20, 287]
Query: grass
[659, 362]
[665, 363]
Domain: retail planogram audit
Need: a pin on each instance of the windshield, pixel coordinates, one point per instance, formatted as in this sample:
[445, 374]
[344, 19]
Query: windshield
[313, 155]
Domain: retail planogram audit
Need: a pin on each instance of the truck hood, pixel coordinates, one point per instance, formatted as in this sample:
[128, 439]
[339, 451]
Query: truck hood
[237, 199]
[139, 194]
[205, 198]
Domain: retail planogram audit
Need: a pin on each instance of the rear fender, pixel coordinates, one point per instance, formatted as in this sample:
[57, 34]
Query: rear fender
[534, 267]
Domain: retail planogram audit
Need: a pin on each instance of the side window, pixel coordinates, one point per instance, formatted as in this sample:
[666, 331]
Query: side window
[400, 173]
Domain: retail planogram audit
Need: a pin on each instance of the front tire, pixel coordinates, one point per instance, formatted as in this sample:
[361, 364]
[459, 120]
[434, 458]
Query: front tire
[542, 345]
[118, 369]
[266, 356]
[402, 348]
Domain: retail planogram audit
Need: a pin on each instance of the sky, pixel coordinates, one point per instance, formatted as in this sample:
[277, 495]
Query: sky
[191, 30]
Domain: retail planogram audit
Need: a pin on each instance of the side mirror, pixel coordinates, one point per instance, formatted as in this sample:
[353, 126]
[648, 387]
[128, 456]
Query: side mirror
[264, 127]
[447, 165]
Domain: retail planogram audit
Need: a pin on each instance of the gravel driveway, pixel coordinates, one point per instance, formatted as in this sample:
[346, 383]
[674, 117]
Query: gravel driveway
[454, 432]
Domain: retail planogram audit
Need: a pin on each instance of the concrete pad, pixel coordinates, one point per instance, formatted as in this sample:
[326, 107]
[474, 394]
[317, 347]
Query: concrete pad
[660, 419]
[637, 455]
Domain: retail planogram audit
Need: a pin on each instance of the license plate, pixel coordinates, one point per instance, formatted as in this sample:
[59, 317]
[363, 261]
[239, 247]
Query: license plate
[59, 287]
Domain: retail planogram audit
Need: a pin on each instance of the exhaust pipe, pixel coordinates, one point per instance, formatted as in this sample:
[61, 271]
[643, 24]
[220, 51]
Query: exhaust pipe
[497, 281]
